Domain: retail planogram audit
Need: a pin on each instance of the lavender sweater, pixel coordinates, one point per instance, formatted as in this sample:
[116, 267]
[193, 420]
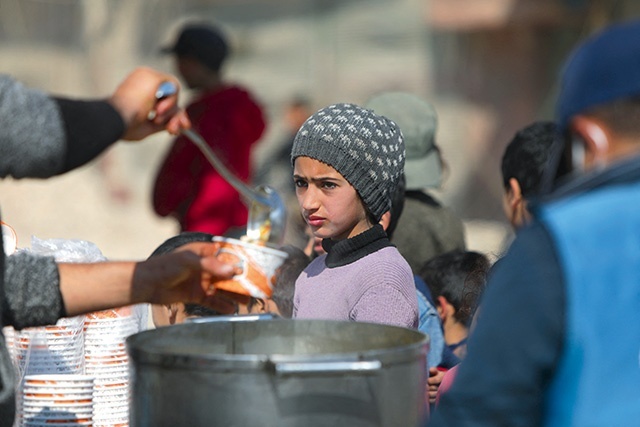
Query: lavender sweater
[362, 279]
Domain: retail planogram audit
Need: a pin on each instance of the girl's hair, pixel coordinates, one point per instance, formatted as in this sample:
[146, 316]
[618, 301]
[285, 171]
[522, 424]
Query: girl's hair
[397, 206]
[459, 277]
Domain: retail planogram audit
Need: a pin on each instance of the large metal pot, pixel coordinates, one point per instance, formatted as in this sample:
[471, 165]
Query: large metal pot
[277, 373]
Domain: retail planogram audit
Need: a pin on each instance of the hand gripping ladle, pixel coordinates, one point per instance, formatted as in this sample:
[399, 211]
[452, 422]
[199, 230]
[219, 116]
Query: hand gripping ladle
[267, 211]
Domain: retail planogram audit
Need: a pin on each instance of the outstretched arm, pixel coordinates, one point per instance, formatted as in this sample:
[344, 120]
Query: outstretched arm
[43, 136]
[186, 275]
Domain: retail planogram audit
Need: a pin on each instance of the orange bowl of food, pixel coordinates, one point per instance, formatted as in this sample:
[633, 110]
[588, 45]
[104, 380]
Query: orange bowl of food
[255, 265]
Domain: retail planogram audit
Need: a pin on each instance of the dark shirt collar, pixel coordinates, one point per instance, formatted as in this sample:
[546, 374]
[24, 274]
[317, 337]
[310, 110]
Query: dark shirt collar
[343, 252]
[624, 172]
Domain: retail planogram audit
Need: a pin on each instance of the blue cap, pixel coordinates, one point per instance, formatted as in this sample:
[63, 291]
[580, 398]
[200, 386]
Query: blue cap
[603, 69]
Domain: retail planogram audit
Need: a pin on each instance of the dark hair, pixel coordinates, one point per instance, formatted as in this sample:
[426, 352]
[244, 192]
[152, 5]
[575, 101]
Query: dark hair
[174, 243]
[397, 205]
[204, 42]
[286, 277]
[459, 276]
[196, 310]
[528, 155]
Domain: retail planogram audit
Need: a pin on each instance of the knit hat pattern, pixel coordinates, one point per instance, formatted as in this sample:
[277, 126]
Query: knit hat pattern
[365, 148]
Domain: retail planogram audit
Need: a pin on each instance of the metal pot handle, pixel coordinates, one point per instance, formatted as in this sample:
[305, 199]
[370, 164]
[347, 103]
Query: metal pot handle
[363, 367]
[232, 318]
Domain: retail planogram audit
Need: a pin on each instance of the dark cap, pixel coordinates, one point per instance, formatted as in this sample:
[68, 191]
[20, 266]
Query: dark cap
[603, 69]
[203, 42]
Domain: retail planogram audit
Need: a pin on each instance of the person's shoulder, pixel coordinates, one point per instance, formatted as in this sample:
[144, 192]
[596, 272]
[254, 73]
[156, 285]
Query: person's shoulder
[429, 213]
[387, 262]
[6, 80]
[388, 255]
[237, 98]
[236, 92]
[414, 206]
[532, 249]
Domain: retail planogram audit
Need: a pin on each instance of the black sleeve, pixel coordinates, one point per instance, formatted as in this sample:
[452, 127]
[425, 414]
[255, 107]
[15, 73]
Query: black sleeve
[517, 343]
[91, 127]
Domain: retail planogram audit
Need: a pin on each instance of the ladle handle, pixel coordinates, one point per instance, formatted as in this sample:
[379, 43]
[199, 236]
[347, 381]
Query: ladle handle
[166, 89]
[361, 367]
[235, 182]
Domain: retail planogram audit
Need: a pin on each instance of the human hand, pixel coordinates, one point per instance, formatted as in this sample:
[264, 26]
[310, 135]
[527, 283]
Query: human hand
[186, 275]
[433, 383]
[135, 97]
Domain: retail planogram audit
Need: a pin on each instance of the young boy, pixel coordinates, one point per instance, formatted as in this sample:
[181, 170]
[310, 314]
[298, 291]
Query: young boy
[170, 314]
[456, 280]
[347, 161]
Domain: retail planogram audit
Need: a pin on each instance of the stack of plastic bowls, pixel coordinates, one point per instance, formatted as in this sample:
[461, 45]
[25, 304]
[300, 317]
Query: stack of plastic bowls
[57, 400]
[55, 349]
[107, 361]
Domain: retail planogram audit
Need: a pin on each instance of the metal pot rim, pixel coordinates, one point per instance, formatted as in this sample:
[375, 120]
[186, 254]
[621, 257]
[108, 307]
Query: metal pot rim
[181, 358]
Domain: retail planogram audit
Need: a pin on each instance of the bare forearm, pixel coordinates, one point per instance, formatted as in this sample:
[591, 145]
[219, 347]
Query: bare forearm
[186, 275]
[97, 286]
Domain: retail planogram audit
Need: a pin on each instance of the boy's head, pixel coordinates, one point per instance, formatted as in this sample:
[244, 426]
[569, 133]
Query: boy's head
[598, 102]
[365, 148]
[200, 51]
[202, 42]
[525, 163]
[456, 280]
[176, 313]
[526, 156]
[286, 277]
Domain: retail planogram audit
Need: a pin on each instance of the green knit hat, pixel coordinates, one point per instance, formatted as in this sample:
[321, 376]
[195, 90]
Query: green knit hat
[365, 148]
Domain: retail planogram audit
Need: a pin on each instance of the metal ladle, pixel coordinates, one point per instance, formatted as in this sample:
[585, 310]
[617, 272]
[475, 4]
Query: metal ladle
[267, 211]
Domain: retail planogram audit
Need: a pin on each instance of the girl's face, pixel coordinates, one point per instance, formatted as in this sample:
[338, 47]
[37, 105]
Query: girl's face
[329, 204]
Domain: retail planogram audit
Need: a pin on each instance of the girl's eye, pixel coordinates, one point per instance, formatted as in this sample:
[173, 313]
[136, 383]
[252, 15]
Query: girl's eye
[328, 185]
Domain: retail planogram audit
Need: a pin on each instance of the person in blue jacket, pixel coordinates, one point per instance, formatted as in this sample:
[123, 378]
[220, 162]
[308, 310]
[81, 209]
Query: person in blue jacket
[558, 341]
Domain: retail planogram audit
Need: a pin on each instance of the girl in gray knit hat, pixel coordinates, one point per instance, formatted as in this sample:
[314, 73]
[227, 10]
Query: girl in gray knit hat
[347, 161]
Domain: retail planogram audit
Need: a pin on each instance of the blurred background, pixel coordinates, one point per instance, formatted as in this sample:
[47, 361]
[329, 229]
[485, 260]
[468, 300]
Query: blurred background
[488, 66]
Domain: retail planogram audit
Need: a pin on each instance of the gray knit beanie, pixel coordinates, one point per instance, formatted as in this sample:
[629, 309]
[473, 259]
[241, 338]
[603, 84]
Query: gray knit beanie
[365, 148]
